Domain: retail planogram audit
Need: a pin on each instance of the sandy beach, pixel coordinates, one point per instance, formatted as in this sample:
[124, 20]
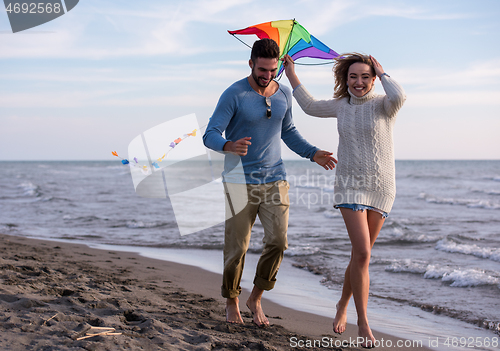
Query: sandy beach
[60, 296]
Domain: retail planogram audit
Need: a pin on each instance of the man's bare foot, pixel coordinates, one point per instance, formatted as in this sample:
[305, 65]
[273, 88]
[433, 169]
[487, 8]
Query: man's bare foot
[233, 311]
[254, 305]
[259, 318]
[368, 339]
[340, 321]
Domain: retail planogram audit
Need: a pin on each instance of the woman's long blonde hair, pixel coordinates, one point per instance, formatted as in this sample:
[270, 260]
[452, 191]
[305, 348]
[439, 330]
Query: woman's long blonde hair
[341, 68]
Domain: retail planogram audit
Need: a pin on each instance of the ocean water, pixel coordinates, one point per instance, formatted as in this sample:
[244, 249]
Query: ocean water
[437, 255]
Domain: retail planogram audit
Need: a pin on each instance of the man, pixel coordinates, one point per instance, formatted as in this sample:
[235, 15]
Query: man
[255, 114]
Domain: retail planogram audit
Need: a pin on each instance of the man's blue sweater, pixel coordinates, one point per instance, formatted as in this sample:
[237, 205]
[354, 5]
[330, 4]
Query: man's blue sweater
[241, 112]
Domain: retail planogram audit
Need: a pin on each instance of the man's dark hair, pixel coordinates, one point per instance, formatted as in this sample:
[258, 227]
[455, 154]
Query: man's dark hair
[265, 48]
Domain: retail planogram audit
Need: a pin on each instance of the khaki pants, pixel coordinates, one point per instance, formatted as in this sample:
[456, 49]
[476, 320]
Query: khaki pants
[243, 203]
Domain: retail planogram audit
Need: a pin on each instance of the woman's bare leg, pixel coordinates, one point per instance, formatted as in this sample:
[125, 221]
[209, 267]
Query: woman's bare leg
[340, 320]
[363, 228]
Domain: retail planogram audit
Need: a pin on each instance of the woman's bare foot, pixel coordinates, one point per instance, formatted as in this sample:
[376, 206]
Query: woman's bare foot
[368, 339]
[340, 321]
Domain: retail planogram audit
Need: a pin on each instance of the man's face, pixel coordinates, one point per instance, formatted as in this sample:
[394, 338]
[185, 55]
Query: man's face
[264, 70]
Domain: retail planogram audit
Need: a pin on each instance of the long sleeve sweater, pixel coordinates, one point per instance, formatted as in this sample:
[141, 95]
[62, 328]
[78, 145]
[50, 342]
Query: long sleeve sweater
[241, 112]
[366, 169]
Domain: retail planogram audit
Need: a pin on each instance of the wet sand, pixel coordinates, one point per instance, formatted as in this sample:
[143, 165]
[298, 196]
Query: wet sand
[62, 296]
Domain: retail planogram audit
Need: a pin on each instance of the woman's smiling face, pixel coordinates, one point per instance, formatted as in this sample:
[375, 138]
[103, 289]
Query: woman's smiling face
[360, 79]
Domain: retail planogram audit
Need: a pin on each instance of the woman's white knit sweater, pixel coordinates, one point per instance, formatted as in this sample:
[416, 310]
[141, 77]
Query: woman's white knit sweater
[365, 171]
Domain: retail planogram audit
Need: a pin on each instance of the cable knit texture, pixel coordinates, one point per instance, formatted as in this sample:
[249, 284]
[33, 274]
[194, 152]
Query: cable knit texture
[366, 172]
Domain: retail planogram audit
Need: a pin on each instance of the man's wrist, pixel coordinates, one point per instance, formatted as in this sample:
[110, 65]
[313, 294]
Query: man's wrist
[227, 146]
[314, 155]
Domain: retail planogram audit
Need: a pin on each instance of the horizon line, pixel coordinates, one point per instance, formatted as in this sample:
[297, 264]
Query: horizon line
[286, 159]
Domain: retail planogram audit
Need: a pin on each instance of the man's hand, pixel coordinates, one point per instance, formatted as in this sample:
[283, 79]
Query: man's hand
[238, 147]
[325, 159]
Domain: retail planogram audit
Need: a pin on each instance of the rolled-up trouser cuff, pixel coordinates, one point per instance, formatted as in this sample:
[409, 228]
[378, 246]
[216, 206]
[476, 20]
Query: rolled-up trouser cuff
[230, 294]
[263, 284]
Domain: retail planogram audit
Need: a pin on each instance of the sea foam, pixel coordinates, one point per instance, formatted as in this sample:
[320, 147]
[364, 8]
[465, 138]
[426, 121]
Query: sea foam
[491, 253]
[29, 189]
[471, 203]
[457, 277]
[461, 277]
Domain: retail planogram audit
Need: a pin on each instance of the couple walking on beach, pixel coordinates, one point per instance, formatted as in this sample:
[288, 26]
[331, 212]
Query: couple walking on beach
[255, 113]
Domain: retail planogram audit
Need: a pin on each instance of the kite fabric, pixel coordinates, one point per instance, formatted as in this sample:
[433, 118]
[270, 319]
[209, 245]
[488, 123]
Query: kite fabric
[292, 39]
[145, 169]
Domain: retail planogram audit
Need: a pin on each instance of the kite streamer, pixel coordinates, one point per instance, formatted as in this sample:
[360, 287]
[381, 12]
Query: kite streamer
[145, 169]
[292, 39]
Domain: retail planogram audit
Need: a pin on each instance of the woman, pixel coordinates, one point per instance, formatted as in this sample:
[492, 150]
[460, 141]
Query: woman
[365, 186]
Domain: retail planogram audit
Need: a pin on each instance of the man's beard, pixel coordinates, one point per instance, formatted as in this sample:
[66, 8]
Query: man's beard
[256, 79]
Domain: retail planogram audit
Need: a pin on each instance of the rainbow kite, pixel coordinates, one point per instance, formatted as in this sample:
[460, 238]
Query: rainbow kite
[292, 39]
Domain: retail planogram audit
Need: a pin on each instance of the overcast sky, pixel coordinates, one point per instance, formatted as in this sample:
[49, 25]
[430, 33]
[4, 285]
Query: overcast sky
[89, 82]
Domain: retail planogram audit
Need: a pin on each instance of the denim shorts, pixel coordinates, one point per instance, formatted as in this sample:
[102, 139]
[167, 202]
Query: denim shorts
[358, 207]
